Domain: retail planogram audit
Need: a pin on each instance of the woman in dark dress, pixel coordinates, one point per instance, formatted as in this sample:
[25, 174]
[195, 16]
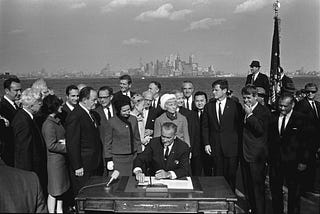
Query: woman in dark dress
[122, 138]
[54, 136]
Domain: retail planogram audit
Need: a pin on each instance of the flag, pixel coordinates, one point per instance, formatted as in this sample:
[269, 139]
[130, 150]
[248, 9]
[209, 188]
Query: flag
[275, 64]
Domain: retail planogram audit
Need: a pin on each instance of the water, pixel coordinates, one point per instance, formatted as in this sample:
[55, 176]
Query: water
[168, 84]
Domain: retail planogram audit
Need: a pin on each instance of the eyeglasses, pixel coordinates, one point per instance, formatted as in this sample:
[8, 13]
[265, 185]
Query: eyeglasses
[312, 92]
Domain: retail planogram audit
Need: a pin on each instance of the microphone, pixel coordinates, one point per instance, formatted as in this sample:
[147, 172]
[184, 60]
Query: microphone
[114, 176]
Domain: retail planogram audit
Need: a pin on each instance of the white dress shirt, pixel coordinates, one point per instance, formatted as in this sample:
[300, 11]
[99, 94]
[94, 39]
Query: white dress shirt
[223, 105]
[286, 121]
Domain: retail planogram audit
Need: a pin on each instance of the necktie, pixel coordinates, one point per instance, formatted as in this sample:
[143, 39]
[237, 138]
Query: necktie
[283, 125]
[252, 80]
[109, 113]
[16, 106]
[166, 153]
[93, 120]
[153, 104]
[187, 103]
[219, 113]
[315, 109]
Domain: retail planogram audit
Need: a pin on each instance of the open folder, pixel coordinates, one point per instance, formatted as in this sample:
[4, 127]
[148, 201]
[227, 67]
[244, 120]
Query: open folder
[181, 183]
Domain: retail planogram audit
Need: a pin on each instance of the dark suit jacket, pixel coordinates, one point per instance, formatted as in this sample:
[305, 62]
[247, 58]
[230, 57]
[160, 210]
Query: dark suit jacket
[115, 95]
[7, 152]
[261, 81]
[226, 136]
[30, 148]
[158, 109]
[194, 130]
[103, 125]
[152, 157]
[83, 141]
[117, 137]
[7, 110]
[313, 123]
[151, 118]
[64, 114]
[20, 191]
[292, 146]
[255, 136]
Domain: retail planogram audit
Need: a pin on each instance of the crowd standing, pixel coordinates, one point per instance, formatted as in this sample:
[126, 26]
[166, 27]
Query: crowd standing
[50, 147]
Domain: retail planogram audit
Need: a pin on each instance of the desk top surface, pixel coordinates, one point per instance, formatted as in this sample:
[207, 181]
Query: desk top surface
[205, 188]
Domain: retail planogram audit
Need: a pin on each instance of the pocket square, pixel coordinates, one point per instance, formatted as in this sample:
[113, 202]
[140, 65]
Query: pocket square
[176, 162]
[294, 128]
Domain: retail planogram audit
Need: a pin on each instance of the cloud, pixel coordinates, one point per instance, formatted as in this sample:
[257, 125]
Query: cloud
[163, 12]
[204, 24]
[200, 2]
[179, 14]
[251, 5]
[114, 4]
[134, 41]
[16, 31]
[77, 4]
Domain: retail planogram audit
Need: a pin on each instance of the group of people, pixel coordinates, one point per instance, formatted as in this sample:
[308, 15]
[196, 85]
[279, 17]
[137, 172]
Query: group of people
[168, 135]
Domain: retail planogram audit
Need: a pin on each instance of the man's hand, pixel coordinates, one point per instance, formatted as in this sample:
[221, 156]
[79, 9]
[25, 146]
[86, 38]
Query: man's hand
[62, 141]
[79, 172]
[207, 149]
[302, 166]
[140, 176]
[110, 165]
[160, 174]
[247, 109]
[6, 122]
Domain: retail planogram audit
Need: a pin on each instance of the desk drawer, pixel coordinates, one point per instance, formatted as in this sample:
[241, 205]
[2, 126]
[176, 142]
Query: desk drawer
[96, 205]
[156, 206]
[217, 206]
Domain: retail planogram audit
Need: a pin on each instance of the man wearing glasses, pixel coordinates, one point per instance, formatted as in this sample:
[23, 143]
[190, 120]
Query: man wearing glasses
[167, 156]
[311, 108]
[104, 111]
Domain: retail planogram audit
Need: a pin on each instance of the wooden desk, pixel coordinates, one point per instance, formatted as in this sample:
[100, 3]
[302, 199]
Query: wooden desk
[214, 196]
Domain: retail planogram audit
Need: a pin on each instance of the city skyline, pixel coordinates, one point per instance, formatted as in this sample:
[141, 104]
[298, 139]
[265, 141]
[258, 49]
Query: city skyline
[87, 35]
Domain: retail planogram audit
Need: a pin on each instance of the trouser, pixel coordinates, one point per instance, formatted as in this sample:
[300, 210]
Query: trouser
[253, 178]
[280, 173]
[196, 165]
[227, 167]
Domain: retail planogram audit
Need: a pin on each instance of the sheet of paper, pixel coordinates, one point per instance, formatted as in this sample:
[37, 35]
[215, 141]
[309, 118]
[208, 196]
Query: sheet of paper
[184, 183]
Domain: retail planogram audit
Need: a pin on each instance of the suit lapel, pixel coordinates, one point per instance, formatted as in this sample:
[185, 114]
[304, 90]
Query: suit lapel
[225, 111]
[171, 155]
[214, 112]
[290, 123]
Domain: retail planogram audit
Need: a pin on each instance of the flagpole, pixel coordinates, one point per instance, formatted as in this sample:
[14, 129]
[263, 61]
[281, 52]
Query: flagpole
[275, 82]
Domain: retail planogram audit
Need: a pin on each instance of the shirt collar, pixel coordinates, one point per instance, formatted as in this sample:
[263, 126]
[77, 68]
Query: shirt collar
[288, 115]
[71, 107]
[28, 112]
[10, 101]
[255, 105]
[84, 108]
[223, 102]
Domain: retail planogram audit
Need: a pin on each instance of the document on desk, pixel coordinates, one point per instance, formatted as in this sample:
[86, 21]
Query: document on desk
[181, 183]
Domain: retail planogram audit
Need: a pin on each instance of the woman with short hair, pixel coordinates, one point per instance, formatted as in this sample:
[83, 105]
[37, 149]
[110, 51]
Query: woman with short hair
[54, 136]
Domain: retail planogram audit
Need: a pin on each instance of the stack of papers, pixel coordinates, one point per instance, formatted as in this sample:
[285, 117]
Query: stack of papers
[182, 183]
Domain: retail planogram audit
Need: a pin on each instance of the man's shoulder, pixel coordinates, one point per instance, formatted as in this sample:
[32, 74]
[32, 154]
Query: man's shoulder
[11, 172]
[181, 144]
[262, 75]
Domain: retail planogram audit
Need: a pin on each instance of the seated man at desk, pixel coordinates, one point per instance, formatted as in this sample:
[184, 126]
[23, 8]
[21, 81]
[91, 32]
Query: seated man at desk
[164, 157]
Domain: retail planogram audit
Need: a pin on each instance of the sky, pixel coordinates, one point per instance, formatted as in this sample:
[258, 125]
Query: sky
[86, 35]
